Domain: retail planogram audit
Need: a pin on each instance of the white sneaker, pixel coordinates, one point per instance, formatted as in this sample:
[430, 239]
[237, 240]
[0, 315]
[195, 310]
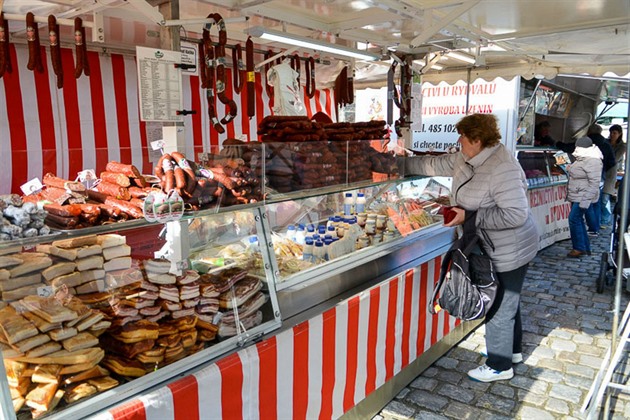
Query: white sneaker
[485, 373]
[516, 357]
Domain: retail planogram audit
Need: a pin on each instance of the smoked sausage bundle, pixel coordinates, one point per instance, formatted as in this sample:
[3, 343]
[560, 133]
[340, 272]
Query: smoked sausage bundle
[5, 57]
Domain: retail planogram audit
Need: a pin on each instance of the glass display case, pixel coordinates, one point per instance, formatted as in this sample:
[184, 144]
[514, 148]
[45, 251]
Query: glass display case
[95, 315]
[543, 167]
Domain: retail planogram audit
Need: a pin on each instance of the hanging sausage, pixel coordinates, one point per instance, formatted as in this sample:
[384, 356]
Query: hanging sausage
[82, 65]
[55, 49]
[251, 77]
[34, 50]
[5, 57]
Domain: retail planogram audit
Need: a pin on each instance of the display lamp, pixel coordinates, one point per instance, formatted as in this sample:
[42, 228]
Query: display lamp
[299, 41]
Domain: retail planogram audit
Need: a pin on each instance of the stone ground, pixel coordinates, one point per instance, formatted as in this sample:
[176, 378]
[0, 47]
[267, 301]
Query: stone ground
[567, 330]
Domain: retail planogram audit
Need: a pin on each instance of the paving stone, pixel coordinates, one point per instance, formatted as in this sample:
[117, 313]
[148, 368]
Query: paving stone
[594, 362]
[502, 390]
[427, 400]
[563, 345]
[427, 415]
[561, 334]
[531, 385]
[565, 393]
[377, 417]
[579, 370]
[456, 393]
[525, 396]
[428, 384]
[578, 382]
[543, 353]
[546, 375]
[557, 406]
[430, 372]
[551, 364]
[403, 393]
[451, 376]
[396, 410]
[494, 403]
[446, 363]
[527, 413]
[457, 410]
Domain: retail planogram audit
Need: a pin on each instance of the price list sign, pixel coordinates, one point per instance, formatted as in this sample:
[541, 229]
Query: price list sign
[160, 84]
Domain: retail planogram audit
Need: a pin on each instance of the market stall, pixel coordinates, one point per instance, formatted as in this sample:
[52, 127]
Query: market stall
[216, 298]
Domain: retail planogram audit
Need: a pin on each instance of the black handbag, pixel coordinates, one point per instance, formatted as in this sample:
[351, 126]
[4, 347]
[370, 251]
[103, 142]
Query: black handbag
[467, 283]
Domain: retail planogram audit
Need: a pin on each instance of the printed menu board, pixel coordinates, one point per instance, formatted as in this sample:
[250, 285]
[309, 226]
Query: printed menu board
[159, 84]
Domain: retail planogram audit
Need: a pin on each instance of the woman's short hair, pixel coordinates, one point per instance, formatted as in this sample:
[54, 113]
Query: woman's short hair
[482, 127]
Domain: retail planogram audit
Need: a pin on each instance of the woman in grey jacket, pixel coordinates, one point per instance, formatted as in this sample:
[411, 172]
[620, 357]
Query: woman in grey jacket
[488, 179]
[582, 191]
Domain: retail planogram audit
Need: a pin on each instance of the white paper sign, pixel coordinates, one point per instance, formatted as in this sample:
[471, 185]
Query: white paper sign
[189, 56]
[160, 84]
[32, 186]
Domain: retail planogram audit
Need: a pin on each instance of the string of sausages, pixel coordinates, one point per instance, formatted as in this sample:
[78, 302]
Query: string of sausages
[237, 68]
[295, 65]
[34, 51]
[55, 49]
[268, 87]
[309, 68]
[82, 65]
[208, 78]
[5, 58]
[251, 77]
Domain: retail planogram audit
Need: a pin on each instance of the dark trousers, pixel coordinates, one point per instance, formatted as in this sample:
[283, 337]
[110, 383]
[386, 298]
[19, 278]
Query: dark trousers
[504, 331]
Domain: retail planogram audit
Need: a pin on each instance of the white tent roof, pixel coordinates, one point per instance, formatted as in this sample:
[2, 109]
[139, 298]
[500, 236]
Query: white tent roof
[506, 37]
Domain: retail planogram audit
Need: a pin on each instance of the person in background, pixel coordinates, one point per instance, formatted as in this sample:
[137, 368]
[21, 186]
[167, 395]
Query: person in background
[582, 191]
[489, 180]
[541, 134]
[593, 215]
[610, 177]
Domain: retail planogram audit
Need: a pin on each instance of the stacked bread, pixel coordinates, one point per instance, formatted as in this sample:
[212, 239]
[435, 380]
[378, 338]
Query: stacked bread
[239, 299]
[20, 273]
[51, 351]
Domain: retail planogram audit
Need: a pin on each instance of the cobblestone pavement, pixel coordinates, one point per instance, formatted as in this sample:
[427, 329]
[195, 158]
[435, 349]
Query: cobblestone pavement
[567, 329]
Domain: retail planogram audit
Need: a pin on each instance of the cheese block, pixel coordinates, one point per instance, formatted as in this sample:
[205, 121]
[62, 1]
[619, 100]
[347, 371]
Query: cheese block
[63, 333]
[43, 350]
[41, 396]
[103, 383]
[64, 357]
[70, 280]
[18, 282]
[9, 261]
[89, 250]
[47, 374]
[116, 252]
[90, 275]
[92, 373]
[30, 264]
[58, 269]
[49, 309]
[90, 263]
[51, 407]
[83, 340]
[15, 327]
[121, 263]
[78, 392]
[76, 242]
[21, 292]
[110, 240]
[66, 254]
[91, 287]
[30, 343]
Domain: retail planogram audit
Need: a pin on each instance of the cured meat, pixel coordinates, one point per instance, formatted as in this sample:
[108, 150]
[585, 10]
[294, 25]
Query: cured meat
[34, 51]
[116, 178]
[55, 49]
[114, 190]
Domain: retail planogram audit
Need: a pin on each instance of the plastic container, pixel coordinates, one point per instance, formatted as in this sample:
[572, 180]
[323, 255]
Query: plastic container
[319, 254]
[307, 252]
[321, 229]
[300, 234]
[348, 204]
[310, 229]
[332, 231]
[327, 243]
[359, 206]
[253, 245]
[291, 231]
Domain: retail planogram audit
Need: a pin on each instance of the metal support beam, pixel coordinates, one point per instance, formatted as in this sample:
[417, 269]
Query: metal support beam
[428, 32]
[147, 10]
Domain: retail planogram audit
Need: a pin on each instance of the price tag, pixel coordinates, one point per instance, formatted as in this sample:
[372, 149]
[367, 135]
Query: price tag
[45, 291]
[158, 144]
[182, 265]
[31, 187]
[88, 178]
[244, 137]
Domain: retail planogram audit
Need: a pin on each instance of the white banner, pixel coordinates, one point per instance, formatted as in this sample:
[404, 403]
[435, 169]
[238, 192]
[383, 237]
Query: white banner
[551, 212]
[444, 105]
